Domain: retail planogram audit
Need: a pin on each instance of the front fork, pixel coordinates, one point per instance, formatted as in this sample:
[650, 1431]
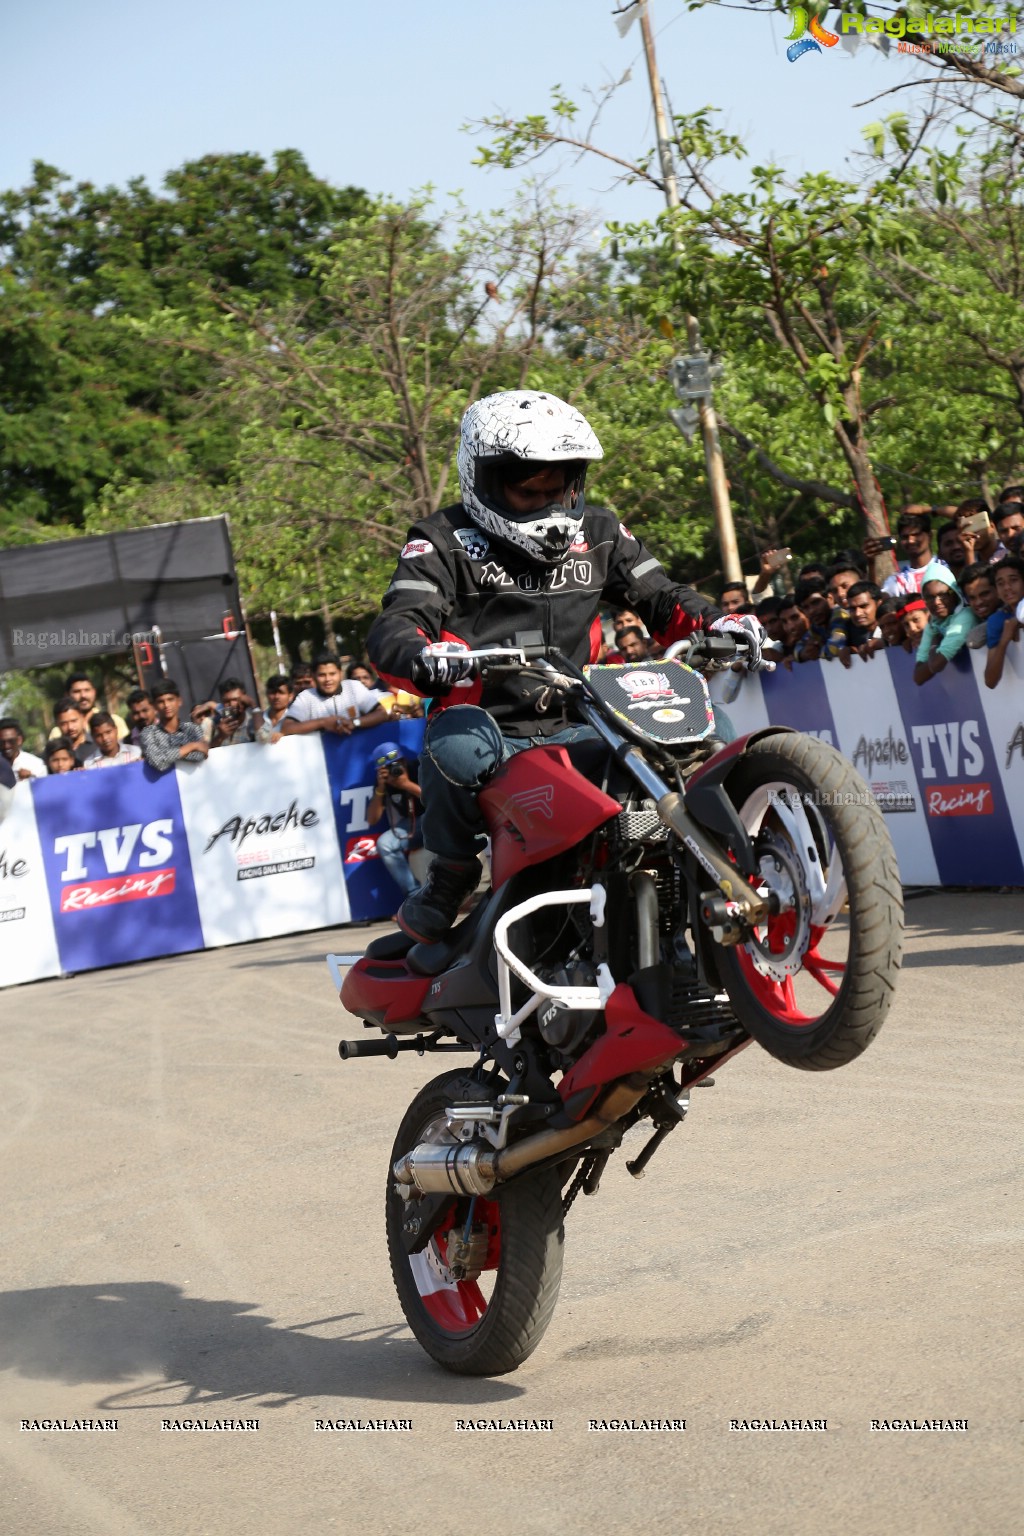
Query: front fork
[734, 906]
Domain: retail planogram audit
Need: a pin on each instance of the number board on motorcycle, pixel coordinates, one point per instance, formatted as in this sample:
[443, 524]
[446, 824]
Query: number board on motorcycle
[664, 700]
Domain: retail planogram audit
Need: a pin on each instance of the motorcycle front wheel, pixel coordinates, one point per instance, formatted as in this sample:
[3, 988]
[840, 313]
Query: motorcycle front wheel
[490, 1322]
[814, 983]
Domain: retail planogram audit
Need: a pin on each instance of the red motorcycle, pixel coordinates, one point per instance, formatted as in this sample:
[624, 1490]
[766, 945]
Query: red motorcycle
[659, 899]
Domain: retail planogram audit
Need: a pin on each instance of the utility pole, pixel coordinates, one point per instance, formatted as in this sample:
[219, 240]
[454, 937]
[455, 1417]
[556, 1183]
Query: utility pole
[692, 382]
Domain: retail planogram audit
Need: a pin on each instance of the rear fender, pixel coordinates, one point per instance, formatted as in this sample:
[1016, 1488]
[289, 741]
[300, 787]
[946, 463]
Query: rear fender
[384, 992]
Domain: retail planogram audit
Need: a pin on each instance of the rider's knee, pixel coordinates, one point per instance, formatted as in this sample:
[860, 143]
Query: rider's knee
[464, 745]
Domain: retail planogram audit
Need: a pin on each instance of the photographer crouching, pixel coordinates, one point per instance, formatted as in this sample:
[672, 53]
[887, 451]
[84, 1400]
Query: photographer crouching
[396, 798]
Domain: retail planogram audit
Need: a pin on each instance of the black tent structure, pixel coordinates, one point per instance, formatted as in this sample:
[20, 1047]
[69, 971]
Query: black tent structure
[167, 593]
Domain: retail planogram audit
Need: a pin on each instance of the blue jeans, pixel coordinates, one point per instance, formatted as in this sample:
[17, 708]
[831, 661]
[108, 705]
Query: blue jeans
[462, 749]
[393, 851]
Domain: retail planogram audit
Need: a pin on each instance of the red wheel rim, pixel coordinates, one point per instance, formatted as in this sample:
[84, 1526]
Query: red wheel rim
[779, 997]
[456, 1306]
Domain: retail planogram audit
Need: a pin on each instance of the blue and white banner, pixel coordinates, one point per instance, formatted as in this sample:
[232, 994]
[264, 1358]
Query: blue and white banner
[101, 868]
[969, 822]
[28, 944]
[352, 772]
[117, 866]
[939, 757]
[262, 842]
[870, 732]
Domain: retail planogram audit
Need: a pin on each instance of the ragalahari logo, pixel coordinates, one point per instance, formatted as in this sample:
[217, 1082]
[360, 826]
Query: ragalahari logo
[937, 33]
[807, 35]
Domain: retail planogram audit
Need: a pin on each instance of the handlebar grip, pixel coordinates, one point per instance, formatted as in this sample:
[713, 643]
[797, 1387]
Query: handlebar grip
[349, 1049]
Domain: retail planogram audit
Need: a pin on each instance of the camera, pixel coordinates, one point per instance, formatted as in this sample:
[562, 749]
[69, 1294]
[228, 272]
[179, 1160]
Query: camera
[393, 762]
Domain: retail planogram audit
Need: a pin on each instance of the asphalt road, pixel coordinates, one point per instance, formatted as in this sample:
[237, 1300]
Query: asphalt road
[192, 1217]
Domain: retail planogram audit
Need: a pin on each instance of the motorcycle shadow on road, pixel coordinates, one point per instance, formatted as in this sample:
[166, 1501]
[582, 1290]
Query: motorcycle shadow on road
[204, 1353]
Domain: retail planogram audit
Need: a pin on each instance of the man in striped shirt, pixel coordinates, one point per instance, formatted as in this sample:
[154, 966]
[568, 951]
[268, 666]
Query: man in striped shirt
[169, 738]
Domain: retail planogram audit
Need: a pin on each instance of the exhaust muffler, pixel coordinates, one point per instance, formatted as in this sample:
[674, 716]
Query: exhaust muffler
[474, 1168]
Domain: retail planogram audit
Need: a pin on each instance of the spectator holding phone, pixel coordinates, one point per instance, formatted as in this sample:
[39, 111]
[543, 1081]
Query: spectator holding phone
[977, 533]
[914, 531]
[235, 720]
[396, 800]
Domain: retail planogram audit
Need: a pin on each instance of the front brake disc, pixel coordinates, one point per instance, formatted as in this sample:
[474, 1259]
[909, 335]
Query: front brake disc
[777, 947]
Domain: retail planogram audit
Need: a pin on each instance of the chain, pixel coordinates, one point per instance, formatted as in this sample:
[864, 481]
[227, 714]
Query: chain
[582, 1174]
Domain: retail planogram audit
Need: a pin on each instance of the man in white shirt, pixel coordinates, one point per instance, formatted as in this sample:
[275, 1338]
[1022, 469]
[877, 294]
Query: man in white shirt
[112, 753]
[332, 704]
[25, 764]
[914, 530]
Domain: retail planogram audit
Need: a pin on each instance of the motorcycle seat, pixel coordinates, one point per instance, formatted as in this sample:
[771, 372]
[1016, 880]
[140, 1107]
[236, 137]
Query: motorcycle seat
[390, 946]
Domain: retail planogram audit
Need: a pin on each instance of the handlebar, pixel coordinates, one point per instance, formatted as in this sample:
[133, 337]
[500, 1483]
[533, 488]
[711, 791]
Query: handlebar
[719, 650]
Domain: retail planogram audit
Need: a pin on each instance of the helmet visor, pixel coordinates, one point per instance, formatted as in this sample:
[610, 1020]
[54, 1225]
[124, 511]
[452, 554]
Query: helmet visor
[524, 489]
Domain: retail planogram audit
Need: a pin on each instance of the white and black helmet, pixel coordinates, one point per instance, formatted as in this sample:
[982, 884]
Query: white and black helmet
[509, 437]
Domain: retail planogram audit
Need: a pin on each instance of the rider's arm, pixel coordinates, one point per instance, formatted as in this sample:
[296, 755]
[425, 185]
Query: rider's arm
[414, 608]
[638, 580]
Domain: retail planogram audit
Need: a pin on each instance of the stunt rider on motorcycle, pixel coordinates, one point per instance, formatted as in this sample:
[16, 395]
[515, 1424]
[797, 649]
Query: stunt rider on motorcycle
[522, 561]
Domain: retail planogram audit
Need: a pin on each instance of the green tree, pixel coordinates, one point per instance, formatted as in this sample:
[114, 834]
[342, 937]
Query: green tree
[351, 406]
[84, 398]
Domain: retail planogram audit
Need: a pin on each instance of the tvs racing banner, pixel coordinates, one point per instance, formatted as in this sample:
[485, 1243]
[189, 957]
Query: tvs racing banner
[262, 841]
[117, 866]
[944, 760]
[968, 819]
[28, 944]
[871, 733]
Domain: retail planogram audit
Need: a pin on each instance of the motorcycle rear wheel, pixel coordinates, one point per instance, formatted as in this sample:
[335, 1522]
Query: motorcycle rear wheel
[488, 1325]
[823, 843]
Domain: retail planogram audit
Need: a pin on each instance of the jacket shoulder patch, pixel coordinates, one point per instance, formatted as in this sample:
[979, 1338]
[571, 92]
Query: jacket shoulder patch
[473, 542]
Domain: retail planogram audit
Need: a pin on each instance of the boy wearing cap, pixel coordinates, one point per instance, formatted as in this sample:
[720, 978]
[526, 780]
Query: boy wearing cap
[396, 799]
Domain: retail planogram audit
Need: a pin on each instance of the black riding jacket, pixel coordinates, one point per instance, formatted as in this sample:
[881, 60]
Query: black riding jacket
[455, 582]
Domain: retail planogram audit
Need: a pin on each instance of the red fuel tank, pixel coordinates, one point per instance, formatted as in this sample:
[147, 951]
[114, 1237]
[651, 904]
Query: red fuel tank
[538, 805]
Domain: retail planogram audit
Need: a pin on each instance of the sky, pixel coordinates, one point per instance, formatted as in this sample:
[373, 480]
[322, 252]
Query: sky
[375, 95]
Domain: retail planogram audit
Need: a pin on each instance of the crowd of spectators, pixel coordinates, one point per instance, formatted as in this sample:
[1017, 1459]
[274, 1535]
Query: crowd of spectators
[320, 696]
[957, 580]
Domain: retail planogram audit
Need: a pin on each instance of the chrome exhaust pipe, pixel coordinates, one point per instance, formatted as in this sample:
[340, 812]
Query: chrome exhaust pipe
[466, 1169]
[474, 1168]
